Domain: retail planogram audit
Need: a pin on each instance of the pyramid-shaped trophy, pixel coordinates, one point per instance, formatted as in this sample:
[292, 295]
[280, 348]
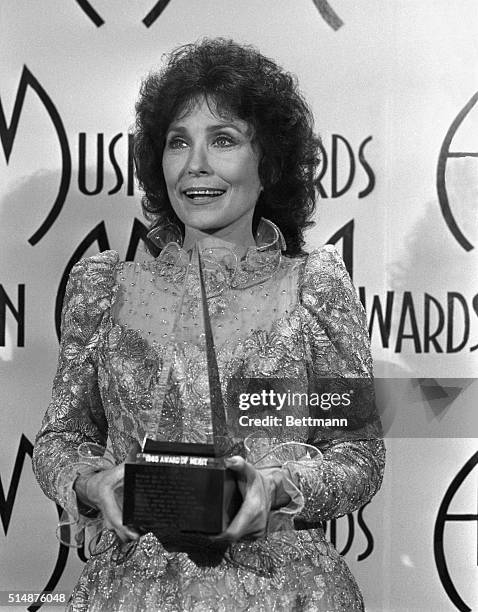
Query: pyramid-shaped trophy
[182, 487]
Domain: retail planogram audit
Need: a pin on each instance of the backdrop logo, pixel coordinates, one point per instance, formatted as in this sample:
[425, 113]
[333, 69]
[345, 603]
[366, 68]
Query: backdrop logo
[443, 517]
[96, 18]
[103, 153]
[445, 154]
[7, 502]
[326, 11]
[328, 14]
[8, 133]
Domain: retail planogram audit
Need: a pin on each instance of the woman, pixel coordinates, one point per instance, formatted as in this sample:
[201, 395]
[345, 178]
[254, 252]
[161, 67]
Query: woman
[226, 158]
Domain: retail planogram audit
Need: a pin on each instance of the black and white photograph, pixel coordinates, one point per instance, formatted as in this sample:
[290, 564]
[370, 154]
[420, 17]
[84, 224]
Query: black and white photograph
[239, 306]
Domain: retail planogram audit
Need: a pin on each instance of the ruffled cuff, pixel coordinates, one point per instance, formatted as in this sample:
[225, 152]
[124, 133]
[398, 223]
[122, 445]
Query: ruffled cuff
[76, 516]
[293, 458]
[282, 519]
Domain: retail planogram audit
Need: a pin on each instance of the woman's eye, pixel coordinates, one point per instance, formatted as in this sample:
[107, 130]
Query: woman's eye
[224, 141]
[176, 143]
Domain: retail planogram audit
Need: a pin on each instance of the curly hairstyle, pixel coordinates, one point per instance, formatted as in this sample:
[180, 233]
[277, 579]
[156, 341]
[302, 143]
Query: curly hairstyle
[240, 82]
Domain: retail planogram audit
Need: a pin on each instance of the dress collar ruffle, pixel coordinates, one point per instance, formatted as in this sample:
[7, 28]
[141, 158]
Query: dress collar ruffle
[221, 266]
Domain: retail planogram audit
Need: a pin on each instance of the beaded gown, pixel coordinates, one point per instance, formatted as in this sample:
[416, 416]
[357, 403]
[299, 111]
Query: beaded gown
[274, 318]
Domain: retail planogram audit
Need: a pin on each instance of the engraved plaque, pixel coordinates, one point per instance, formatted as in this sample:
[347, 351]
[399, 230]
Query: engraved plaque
[179, 487]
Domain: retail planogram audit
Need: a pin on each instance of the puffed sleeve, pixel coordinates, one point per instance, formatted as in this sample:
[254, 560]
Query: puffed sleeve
[75, 418]
[338, 352]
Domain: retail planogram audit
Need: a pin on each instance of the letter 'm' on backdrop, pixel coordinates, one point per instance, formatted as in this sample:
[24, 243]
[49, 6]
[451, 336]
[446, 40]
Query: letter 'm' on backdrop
[394, 92]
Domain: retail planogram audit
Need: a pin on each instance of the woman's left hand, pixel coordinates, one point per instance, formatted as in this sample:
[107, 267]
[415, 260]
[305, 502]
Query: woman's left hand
[259, 490]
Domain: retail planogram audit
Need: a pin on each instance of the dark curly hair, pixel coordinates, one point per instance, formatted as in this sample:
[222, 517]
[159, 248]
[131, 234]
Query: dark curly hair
[240, 82]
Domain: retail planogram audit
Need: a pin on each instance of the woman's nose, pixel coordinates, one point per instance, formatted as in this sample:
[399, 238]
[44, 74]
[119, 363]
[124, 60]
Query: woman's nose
[198, 162]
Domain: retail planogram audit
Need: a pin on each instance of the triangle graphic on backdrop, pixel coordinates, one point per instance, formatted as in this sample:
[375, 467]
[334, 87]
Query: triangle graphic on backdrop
[441, 393]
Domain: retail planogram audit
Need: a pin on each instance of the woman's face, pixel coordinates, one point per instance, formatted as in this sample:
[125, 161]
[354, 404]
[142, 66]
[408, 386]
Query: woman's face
[210, 165]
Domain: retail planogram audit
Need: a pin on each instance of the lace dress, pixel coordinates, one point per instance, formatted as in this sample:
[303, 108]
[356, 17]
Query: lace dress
[273, 317]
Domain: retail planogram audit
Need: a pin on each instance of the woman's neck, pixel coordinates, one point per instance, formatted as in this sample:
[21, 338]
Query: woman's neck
[238, 239]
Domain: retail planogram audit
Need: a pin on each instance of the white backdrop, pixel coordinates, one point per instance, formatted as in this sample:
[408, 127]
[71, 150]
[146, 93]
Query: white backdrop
[392, 86]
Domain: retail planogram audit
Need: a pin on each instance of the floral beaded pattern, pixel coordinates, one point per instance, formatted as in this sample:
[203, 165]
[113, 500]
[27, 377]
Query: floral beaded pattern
[303, 322]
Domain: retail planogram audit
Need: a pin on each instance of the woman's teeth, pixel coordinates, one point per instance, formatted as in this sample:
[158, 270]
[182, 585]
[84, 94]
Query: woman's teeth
[203, 193]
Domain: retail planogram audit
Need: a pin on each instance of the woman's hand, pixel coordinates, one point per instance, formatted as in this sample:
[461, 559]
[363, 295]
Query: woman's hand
[261, 492]
[97, 490]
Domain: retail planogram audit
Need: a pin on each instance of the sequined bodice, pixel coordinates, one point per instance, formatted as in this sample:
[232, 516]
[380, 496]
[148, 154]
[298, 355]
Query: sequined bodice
[256, 333]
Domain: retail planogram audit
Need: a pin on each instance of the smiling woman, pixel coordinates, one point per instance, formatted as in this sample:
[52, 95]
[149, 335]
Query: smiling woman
[262, 104]
[226, 156]
[210, 166]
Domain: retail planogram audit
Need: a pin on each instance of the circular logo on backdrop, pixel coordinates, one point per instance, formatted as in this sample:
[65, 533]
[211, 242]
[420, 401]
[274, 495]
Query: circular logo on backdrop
[441, 549]
[446, 203]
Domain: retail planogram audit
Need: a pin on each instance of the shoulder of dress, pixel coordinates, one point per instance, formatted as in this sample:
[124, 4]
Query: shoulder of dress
[322, 265]
[105, 258]
[89, 294]
[95, 275]
[105, 262]
[323, 256]
[326, 282]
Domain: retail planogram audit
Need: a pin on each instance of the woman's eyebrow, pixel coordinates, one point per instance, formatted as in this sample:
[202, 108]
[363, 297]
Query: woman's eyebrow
[177, 127]
[226, 124]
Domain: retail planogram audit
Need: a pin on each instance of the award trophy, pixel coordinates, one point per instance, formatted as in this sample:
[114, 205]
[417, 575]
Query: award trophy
[178, 488]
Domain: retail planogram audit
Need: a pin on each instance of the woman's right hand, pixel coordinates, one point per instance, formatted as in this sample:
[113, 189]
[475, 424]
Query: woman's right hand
[98, 490]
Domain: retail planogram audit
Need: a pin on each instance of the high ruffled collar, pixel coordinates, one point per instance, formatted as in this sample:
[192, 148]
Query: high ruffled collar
[221, 266]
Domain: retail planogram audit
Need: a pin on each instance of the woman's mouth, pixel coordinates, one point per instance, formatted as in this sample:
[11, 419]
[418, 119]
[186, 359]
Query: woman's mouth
[203, 195]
